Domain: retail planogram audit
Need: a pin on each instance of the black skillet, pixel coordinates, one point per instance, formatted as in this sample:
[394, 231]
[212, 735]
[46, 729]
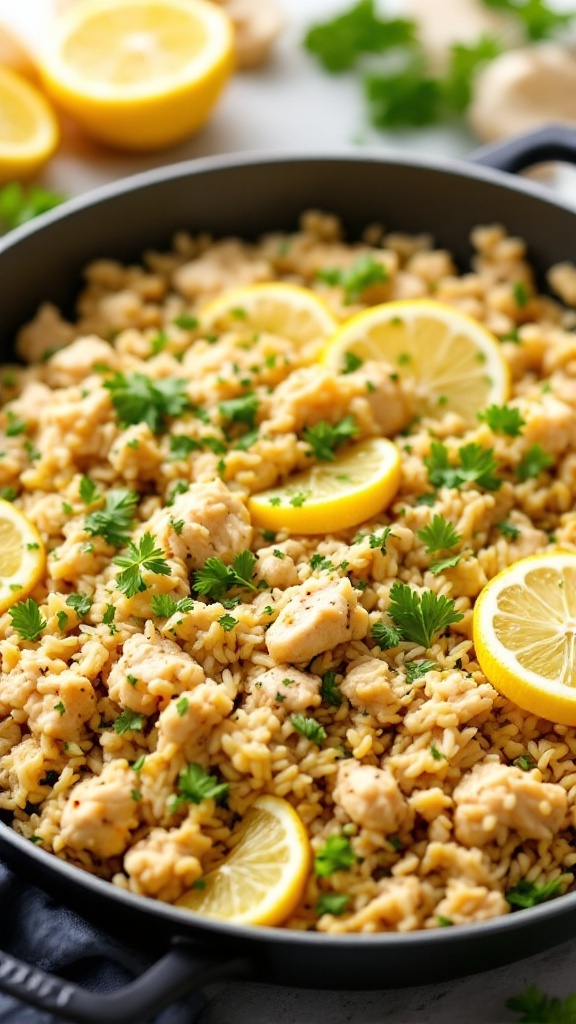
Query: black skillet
[246, 196]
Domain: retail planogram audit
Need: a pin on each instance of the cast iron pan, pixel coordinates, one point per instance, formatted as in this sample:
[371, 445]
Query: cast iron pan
[246, 196]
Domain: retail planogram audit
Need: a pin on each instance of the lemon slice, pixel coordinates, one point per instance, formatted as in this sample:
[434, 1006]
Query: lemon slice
[287, 310]
[28, 127]
[22, 555]
[525, 634]
[332, 495]
[139, 74]
[262, 878]
[456, 363]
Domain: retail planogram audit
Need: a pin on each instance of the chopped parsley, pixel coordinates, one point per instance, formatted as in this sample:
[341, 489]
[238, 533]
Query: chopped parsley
[116, 519]
[415, 669]
[379, 540]
[319, 561]
[59, 707]
[129, 721]
[332, 903]
[507, 529]
[19, 205]
[182, 706]
[525, 761]
[81, 604]
[139, 763]
[365, 271]
[186, 322]
[338, 42]
[534, 462]
[227, 622]
[240, 410]
[329, 689]
[520, 293]
[15, 426]
[215, 578]
[526, 894]
[108, 618]
[503, 419]
[436, 754]
[62, 620]
[324, 437]
[181, 445]
[309, 728]
[419, 617]
[139, 399]
[196, 785]
[27, 620]
[352, 362]
[88, 490]
[143, 555]
[444, 563]
[477, 465]
[385, 636]
[537, 1008]
[444, 922]
[165, 606]
[440, 534]
[336, 855]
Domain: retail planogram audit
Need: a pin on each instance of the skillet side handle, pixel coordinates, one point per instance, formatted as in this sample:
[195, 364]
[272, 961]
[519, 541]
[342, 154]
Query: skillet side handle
[179, 972]
[553, 142]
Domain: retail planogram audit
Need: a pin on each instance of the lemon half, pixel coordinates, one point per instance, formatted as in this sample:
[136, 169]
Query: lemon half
[29, 131]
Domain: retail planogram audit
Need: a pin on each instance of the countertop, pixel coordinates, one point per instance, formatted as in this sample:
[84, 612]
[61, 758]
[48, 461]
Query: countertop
[291, 105]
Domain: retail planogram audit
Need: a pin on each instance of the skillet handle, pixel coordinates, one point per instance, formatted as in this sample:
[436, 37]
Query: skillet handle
[179, 972]
[553, 142]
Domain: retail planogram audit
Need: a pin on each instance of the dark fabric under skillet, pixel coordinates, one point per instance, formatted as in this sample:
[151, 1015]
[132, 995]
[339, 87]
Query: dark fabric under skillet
[36, 929]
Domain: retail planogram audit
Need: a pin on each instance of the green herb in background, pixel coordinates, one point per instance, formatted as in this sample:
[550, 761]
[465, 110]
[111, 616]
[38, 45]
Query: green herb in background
[526, 894]
[339, 42]
[538, 20]
[18, 205]
[537, 1008]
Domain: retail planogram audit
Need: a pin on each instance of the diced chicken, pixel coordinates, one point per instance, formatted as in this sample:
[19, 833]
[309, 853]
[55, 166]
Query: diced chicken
[387, 400]
[307, 396]
[226, 264]
[75, 362]
[367, 685]
[464, 903]
[317, 617]
[167, 863]
[150, 672]
[136, 454]
[370, 796]
[550, 423]
[397, 907]
[454, 699]
[285, 689]
[216, 522]
[101, 812]
[47, 331]
[188, 722]
[61, 706]
[278, 570]
[494, 797]
[77, 428]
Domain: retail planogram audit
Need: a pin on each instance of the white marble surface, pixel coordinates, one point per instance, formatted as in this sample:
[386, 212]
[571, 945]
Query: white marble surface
[291, 105]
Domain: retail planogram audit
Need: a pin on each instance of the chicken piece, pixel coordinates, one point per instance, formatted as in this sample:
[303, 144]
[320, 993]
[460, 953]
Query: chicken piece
[188, 722]
[465, 903]
[227, 264]
[317, 618]
[454, 700]
[367, 685]
[101, 812]
[307, 396]
[388, 401]
[150, 672]
[77, 427]
[47, 331]
[61, 705]
[167, 863]
[370, 796]
[136, 454]
[285, 689]
[397, 907]
[550, 423]
[216, 522]
[494, 798]
[278, 570]
[72, 364]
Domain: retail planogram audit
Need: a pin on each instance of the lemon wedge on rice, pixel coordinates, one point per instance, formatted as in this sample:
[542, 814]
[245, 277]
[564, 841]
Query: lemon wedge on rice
[262, 879]
[456, 363]
[138, 74]
[525, 634]
[29, 131]
[332, 496]
[22, 555]
[287, 310]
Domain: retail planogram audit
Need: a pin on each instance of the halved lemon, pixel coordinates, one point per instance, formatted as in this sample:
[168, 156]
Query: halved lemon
[525, 634]
[332, 496]
[22, 555]
[138, 74]
[29, 130]
[456, 363]
[287, 310]
[263, 877]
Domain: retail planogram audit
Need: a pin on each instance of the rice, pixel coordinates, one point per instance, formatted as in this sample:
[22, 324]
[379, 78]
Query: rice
[413, 755]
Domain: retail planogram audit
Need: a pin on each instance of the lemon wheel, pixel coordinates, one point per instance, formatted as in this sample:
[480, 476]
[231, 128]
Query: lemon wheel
[22, 555]
[287, 310]
[333, 496]
[525, 634]
[29, 130]
[456, 363]
[261, 880]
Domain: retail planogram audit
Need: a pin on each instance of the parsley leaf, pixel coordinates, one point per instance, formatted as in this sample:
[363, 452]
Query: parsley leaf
[415, 669]
[165, 606]
[240, 410]
[196, 785]
[537, 1008]
[129, 721]
[143, 555]
[27, 620]
[329, 689]
[338, 43]
[534, 462]
[81, 604]
[332, 903]
[227, 622]
[444, 563]
[309, 728]
[503, 419]
[526, 894]
[507, 529]
[465, 61]
[385, 636]
[324, 438]
[336, 855]
[18, 206]
[181, 445]
[116, 519]
[139, 399]
[215, 578]
[365, 271]
[88, 490]
[440, 534]
[525, 761]
[538, 20]
[477, 465]
[352, 362]
[409, 97]
[419, 617]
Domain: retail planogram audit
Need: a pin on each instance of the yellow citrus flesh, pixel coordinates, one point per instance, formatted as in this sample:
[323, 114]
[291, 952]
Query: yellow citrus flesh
[139, 74]
[29, 130]
[332, 496]
[277, 308]
[22, 555]
[525, 634]
[261, 880]
[456, 363]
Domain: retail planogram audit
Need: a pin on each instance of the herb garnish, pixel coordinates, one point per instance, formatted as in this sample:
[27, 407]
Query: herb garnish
[418, 617]
[309, 728]
[365, 271]
[129, 721]
[526, 894]
[165, 606]
[332, 903]
[438, 535]
[534, 462]
[503, 419]
[324, 437]
[116, 519]
[139, 399]
[477, 465]
[81, 604]
[27, 620]
[196, 785]
[143, 555]
[215, 578]
[329, 689]
[336, 855]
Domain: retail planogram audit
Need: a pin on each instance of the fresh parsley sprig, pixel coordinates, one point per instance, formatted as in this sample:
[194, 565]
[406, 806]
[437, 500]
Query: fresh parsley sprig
[439, 535]
[385, 636]
[477, 465]
[503, 419]
[129, 721]
[419, 617]
[142, 556]
[339, 42]
[537, 1008]
[325, 437]
[195, 784]
[27, 620]
[113, 522]
[526, 894]
[165, 606]
[216, 578]
[17, 205]
[533, 463]
[139, 399]
[335, 855]
[364, 272]
[309, 728]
